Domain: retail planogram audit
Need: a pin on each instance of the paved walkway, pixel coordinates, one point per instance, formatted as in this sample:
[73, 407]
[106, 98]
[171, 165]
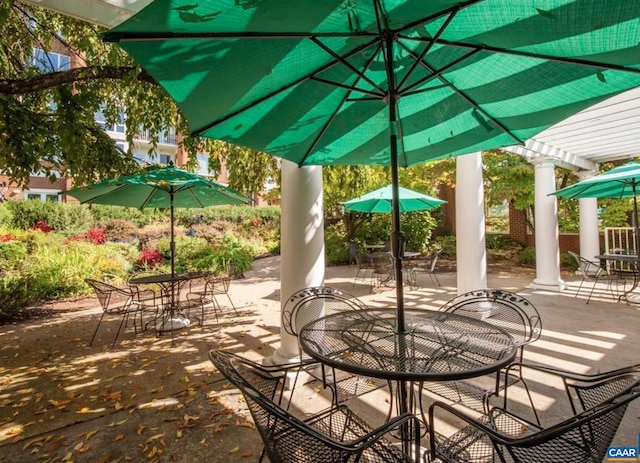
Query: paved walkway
[149, 400]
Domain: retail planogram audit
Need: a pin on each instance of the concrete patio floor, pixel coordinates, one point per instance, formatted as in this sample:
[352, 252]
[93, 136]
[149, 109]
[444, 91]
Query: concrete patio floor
[150, 400]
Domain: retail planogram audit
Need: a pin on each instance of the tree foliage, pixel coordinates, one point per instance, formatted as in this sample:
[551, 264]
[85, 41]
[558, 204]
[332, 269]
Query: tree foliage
[48, 121]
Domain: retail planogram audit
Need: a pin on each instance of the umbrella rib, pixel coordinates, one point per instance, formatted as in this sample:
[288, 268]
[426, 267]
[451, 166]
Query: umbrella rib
[434, 73]
[129, 36]
[375, 95]
[340, 59]
[426, 50]
[280, 90]
[542, 57]
[325, 127]
[437, 74]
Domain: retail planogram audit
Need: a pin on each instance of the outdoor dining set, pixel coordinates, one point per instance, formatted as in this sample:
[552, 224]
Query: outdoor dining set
[155, 300]
[460, 364]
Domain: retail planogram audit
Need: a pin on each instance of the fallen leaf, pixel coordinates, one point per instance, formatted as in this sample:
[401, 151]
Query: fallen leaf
[247, 454]
[234, 450]
[119, 436]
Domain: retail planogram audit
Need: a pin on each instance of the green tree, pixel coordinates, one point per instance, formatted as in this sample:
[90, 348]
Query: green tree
[48, 121]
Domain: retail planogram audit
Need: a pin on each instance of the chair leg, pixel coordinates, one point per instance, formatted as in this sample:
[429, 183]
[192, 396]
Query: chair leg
[96, 330]
[122, 322]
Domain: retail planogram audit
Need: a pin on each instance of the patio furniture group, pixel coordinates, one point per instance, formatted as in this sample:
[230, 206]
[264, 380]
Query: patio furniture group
[474, 335]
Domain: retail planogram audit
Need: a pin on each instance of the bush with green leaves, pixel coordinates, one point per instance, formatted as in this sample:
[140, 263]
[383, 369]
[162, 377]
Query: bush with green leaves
[70, 219]
[445, 242]
[12, 254]
[140, 217]
[568, 262]
[335, 244]
[16, 292]
[527, 256]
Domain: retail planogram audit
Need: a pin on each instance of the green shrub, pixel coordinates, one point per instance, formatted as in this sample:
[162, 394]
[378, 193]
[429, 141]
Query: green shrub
[497, 241]
[527, 256]
[12, 254]
[335, 244]
[567, 261]
[16, 292]
[447, 243]
[140, 217]
[70, 219]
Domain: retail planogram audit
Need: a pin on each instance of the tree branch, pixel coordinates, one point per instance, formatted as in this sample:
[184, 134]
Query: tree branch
[53, 79]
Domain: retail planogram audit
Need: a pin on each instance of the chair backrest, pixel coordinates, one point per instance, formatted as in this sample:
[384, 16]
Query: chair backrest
[111, 297]
[286, 438]
[362, 260]
[512, 312]
[600, 387]
[432, 260]
[309, 303]
[382, 263]
[582, 438]
[586, 267]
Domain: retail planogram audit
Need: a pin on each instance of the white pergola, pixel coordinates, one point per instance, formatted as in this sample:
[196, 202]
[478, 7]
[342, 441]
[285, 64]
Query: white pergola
[605, 132]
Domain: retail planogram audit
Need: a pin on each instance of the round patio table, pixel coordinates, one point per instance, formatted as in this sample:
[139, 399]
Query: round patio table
[172, 317]
[436, 346]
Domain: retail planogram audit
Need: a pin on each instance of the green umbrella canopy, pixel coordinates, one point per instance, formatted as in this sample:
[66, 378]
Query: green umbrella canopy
[383, 82]
[380, 200]
[619, 182]
[156, 189]
[168, 187]
[310, 81]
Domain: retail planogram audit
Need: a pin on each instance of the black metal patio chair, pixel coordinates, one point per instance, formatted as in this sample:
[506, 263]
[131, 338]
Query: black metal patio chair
[598, 404]
[335, 435]
[117, 302]
[509, 311]
[306, 305]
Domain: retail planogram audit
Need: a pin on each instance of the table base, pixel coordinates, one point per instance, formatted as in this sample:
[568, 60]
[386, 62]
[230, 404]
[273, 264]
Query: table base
[171, 324]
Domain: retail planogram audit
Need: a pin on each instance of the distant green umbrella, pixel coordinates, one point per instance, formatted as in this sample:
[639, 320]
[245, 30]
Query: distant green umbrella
[383, 82]
[380, 200]
[619, 182]
[166, 188]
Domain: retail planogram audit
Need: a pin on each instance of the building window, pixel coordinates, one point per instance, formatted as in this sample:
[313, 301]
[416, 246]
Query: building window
[42, 195]
[119, 127]
[51, 62]
[164, 158]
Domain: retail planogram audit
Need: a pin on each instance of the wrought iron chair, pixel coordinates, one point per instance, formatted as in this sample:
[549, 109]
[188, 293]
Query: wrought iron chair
[509, 311]
[363, 261]
[215, 286]
[383, 269]
[307, 305]
[427, 266]
[598, 404]
[117, 302]
[336, 435]
[591, 270]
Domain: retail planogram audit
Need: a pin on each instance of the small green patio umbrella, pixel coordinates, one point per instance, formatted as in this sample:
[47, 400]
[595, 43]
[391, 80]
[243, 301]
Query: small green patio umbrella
[619, 182]
[165, 188]
[380, 200]
[383, 82]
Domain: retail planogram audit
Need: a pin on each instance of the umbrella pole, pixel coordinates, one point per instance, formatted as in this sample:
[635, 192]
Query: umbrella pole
[173, 263]
[397, 237]
[635, 217]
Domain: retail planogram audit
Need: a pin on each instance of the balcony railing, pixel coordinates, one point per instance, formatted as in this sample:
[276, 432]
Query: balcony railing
[164, 138]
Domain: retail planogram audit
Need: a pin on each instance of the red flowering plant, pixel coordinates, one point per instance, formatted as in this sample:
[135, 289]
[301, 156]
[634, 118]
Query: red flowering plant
[96, 236]
[4, 237]
[42, 226]
[149, 258]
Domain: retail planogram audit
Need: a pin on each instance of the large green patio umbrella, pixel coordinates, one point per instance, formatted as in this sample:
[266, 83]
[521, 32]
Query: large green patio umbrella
[166, 188]
[383, 82]
[619, 182]
[380, 200]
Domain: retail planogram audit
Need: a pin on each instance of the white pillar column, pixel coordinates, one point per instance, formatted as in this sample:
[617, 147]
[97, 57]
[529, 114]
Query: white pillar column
[589, 230]
[302, 241]
[546, 228]
[471, 251]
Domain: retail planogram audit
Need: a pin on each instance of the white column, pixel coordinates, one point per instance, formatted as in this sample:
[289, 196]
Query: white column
[471, 251]
[302, 241]
[546, 228]
[589, 230]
